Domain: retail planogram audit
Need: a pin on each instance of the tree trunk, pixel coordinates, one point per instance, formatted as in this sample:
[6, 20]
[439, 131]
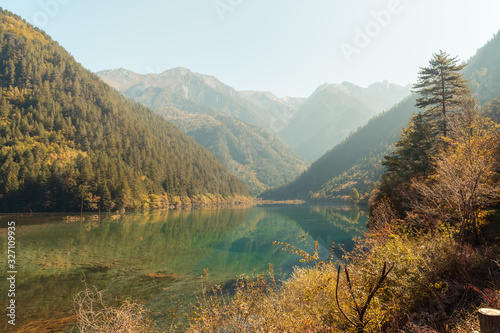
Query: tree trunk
[489, 320]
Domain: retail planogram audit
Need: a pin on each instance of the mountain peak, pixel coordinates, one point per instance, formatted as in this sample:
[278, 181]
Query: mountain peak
[120, 78]
[177, 71]
[116, 71]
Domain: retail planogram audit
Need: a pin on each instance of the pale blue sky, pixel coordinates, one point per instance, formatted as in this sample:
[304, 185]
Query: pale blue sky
[288, 47]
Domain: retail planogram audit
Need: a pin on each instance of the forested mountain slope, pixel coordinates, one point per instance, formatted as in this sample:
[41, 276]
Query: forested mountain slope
[67, 138]
[335, 110]
[483, 71]
[254, 154]
[356, 162]
[366, 147]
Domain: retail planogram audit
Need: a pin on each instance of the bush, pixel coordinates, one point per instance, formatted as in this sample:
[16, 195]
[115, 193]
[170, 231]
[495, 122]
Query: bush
[95, 317]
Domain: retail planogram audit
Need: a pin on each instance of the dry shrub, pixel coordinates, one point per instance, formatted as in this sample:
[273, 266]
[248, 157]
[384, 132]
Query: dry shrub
[94, 316]
[302, 303]
[431, 285]
[305, 302]
[383, 217]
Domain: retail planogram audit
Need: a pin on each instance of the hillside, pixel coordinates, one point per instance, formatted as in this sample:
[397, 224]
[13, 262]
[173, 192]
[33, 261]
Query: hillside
[69, 140]
[280, 109]
[483, 71]
[254, 154]
[335, 110]
[356, 162]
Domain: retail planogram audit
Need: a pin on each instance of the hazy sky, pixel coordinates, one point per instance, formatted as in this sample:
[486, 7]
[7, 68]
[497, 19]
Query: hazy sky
[288, 47]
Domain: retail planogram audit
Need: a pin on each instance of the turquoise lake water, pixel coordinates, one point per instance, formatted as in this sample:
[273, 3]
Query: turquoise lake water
[158, 258]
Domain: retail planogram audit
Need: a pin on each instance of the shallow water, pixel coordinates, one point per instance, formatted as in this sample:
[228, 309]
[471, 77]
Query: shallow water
[157, 258]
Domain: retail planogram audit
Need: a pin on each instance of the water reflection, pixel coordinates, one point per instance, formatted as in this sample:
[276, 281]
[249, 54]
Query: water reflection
[158, 257]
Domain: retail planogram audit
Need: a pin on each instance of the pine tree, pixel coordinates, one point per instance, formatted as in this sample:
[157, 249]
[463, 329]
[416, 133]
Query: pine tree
[414, 150]
[440, 86]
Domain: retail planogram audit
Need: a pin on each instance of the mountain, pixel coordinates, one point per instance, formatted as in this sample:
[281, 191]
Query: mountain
[483, 70]
[356, 162]
[180, 88]
[281, 109]
[254, 154]
[68, 141]
[335, 110]
[183, 89]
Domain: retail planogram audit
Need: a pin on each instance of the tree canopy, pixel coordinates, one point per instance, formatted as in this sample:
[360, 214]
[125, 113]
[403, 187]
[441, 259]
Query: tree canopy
[67, 138]
[440, 85]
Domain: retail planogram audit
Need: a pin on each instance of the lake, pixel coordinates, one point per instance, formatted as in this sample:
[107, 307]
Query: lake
[157, 258]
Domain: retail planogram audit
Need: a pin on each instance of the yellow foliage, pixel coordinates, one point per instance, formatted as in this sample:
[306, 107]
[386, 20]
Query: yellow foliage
[64, 155]
[18, 27]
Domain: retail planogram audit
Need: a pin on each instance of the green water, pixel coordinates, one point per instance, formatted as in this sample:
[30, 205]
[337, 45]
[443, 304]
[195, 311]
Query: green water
[157, 258]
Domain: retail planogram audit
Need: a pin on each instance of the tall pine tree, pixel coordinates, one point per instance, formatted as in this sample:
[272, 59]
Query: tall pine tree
[440, 86]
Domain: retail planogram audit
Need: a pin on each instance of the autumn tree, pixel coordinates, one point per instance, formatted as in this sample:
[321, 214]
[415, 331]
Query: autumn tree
[354, 196]
[413, 157]
[440, 86]
[492, 109]
[464, 182]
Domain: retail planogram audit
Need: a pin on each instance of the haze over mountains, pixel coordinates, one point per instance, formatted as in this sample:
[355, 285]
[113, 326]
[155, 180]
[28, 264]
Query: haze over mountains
[335, 110]
[179, 87]
[221, 120]
[356, 162]
[250, 131]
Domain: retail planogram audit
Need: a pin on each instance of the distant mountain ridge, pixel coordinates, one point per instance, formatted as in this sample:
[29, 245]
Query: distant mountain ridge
[356, 161]
[204, 108]
[310, 126]
[335, 110]
[283, 109]
[178, 86]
